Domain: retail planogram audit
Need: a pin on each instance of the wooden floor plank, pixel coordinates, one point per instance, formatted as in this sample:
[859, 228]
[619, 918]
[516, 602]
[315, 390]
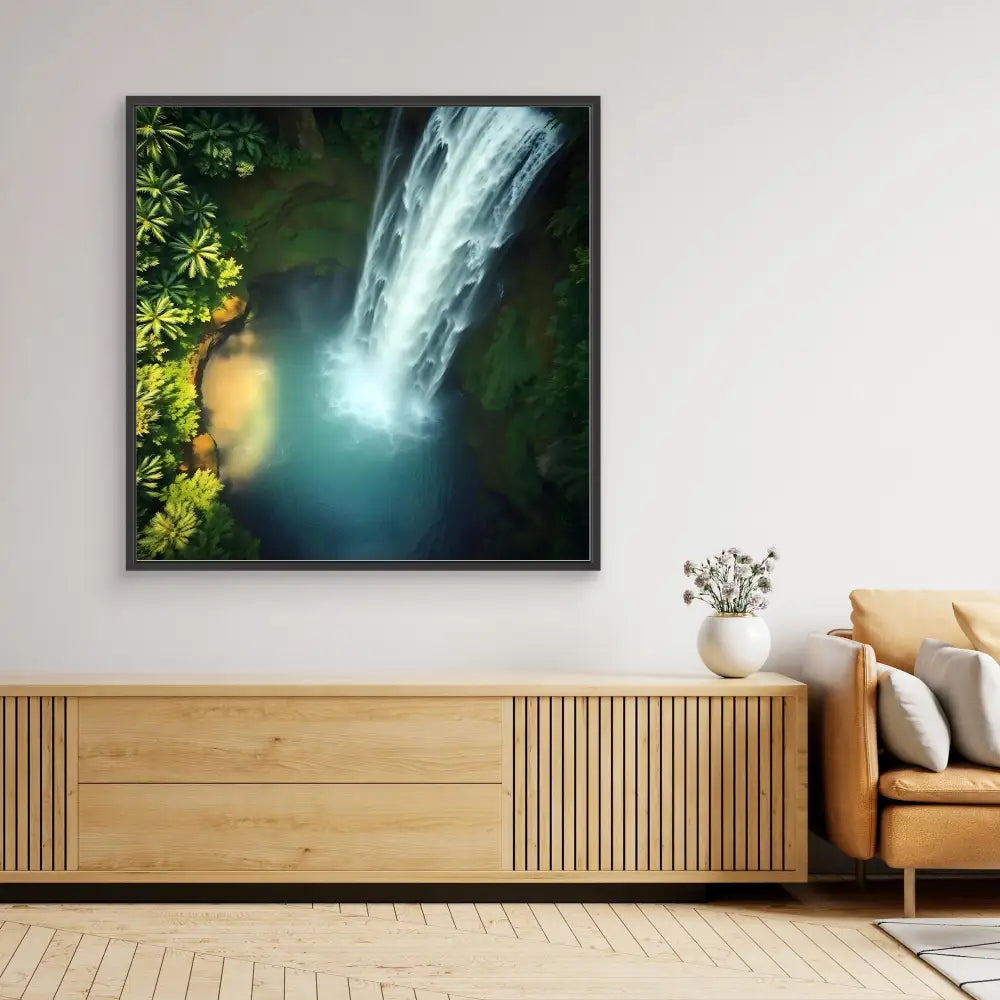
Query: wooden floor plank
[894, 971]
[553, 925]
[206, 978]
[582, 924]
[382, 911]
[647, 936]
[617, 934]
[354, 909]
[393, 992]
[143, 972]
[409, 913]
[268, 981]
[332, 987]
[48, 976]
[673, 932]
[24, 961]
[466, 917]
[175, 974]
[113, 970]
[526, 927]
[714, 946]
[793, 965]
[495, 919]
[365, 989]
[79, 977]
[300, 984]
[435, 914]
[826, 967]
[11, 934]
[929, 976]
[864, 973]
[237, 980]
[748, 950]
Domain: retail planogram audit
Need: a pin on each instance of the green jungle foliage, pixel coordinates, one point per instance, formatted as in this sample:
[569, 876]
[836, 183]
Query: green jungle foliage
[529, 369]
[365, 127]
[186, 259]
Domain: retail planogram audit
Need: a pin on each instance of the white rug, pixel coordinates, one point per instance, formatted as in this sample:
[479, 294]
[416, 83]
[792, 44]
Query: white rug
[966, 951]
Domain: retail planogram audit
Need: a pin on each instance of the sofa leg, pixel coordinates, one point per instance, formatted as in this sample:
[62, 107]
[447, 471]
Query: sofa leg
[861, 873]
[909, 892]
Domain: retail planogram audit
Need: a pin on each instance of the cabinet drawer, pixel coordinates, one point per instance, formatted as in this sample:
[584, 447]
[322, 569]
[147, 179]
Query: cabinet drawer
[290, 740]
[300, 827]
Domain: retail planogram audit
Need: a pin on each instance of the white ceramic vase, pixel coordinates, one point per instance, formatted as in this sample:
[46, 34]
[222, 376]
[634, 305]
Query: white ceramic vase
[734, 645]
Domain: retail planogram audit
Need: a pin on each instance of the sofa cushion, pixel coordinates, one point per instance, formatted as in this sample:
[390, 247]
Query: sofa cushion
[911, 723]
[895, 622]
[957, 784]
[967, 683]
[980, 621]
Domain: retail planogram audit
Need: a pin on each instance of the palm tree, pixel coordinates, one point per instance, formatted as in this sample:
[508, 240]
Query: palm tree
[149, 222]
[148, 474]
[194, 253]
[158, 318]
[249, 136]
[146, 417]
[149, 383]
[169, 283]
[200, 209]
[211, 130]
[164, 188]
[148, 347]
[156, 137]
[168, 531]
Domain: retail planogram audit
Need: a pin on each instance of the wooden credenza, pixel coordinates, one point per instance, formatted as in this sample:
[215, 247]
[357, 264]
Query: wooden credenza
[566, 779]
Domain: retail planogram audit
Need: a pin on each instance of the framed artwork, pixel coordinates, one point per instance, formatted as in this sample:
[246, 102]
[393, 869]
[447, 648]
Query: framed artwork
[363, 333]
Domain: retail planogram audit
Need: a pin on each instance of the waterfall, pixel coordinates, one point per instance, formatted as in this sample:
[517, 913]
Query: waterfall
[436, 225]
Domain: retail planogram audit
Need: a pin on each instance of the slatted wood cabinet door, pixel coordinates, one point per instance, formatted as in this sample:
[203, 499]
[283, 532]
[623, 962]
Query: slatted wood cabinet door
[38, 799]
[702, 787]
[559, 779]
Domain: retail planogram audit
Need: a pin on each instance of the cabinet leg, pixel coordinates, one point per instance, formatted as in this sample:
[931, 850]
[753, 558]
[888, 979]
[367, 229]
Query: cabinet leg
[909, 892]
[861, 873]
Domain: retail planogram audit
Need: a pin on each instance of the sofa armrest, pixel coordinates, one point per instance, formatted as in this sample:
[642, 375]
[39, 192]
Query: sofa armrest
[843, 752]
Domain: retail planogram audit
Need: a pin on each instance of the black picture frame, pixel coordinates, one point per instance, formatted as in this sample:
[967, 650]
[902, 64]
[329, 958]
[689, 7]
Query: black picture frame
[592, 563]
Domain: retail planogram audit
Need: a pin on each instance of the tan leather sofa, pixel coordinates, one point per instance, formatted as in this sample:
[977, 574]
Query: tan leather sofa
[861, 800]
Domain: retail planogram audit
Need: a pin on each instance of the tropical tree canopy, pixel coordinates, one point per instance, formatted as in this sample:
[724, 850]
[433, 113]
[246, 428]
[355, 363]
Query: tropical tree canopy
[200, 209]
[159, 317]
[163, 188]
[183, 265]
[169, 283]
[150, 222]
[249, 136]
[169, 530]
[210, 131]
[194, 253]
[157, 138]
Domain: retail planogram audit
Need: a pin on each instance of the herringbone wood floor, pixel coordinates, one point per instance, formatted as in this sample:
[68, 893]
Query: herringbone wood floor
[818, 944]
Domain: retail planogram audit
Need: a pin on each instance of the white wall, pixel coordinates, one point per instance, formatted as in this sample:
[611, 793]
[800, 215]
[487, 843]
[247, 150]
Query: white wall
[800, 240]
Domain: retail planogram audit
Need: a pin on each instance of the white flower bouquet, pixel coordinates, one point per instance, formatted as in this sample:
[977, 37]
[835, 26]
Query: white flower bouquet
[731, 583]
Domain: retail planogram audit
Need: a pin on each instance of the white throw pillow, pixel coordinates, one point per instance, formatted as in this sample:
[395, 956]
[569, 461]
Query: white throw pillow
[967, 683]
[927, 652]
[911, 722]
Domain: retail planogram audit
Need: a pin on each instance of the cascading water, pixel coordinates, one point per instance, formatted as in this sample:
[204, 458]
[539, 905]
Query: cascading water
[433, 235]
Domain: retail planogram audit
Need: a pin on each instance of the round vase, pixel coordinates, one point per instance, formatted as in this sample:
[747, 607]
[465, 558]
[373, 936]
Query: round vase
[734, 645]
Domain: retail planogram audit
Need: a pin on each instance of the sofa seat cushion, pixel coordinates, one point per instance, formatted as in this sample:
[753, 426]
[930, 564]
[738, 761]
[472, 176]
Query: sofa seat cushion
[958, 784]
